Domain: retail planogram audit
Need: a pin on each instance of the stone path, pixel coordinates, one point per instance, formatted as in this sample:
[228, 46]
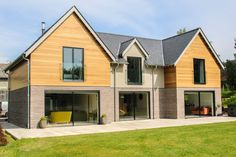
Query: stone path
[19, 133]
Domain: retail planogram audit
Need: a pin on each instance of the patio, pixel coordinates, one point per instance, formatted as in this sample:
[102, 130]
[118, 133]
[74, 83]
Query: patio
[19, 133]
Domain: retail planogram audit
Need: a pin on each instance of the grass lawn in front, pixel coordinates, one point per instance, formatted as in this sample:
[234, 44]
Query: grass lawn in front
[199, 140]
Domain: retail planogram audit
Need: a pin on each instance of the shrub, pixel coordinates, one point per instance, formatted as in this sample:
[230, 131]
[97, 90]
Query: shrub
[229, 101]
[3, 138]
[228, 94]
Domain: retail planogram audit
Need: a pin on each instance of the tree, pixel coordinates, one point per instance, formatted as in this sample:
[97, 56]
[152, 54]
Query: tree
[181, 31]
[230, 70]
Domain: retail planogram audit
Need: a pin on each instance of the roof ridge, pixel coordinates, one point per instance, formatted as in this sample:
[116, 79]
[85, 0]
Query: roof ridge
[127, 40]
[182, 33]
[129, 36]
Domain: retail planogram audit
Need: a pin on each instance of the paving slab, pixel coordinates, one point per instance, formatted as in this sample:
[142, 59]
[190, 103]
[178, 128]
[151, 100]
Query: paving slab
[20, 133]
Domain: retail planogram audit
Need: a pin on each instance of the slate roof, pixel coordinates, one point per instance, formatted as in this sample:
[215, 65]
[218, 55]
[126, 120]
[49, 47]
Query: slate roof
[3, 75]
[174, 46]
[117, 43]
[161, 52]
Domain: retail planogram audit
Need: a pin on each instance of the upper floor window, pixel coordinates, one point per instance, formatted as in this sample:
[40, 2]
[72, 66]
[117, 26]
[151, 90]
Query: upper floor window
[73, 64]
[199, 71]
[134, 70]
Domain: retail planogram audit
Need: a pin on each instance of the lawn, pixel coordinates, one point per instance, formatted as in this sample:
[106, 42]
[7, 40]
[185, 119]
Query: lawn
[200, 140]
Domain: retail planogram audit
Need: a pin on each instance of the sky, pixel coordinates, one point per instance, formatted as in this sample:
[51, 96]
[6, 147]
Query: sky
[20, 20]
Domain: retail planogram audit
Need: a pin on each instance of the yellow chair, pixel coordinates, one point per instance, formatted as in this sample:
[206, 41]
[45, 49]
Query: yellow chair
[60, 117]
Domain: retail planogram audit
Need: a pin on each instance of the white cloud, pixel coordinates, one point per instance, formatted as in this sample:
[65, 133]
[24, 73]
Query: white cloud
[149, 18]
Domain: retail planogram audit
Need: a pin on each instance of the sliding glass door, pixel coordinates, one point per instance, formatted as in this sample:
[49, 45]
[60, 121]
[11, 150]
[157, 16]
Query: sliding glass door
[199, 103]
[134, 106]
[71, 108]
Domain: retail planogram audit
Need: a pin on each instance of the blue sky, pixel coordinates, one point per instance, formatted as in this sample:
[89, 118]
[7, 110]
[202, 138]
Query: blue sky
[20, 20]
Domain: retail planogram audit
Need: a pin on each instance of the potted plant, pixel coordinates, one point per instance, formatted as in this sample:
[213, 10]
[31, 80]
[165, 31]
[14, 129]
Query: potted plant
[43, 122]
[103, 119]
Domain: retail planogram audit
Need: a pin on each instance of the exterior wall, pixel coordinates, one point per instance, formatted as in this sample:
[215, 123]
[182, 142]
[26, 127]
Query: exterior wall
[17, 108]
[154, 109]
[3, 90]
[18, 77]
[170, 77]
[175, 106]
[184, 68]
[38, 95]
[180, 99]
[121, 72]
[17, 101]
[168, 103]
[46, 60]
[3, 84]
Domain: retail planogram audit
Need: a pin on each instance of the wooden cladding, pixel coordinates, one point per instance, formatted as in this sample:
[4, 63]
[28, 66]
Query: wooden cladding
[170, 77]
[184, 69]
[46, 60]
[183, 74]
[18, 76]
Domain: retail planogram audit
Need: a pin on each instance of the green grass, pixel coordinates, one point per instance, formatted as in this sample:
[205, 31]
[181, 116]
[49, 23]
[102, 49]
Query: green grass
[200, 140]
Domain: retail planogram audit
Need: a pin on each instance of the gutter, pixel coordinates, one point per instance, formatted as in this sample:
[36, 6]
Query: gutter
[115, 91]
[153, 95]
[28, 90]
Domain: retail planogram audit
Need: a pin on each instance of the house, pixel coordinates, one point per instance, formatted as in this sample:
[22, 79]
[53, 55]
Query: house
[3, 83]
[75, 75]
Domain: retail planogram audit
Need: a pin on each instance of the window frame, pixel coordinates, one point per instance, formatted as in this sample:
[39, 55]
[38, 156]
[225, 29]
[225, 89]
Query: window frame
[72, 80]
[204, 71]
[141, 73]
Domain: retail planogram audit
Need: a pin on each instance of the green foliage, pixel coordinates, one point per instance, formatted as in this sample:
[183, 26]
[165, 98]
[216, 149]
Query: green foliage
[104, 116]
[228, 94]
[181, 31]
[228, 98]
[230, 72]
[44, 118]
[229, 101]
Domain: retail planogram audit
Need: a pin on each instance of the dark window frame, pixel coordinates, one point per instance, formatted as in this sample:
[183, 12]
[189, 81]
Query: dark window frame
[73, 80]
[204, 71]
[140, 73]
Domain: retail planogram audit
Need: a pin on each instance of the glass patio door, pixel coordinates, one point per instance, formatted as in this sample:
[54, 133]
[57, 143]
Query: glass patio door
[133, 106]
[199, 103]
[85, 108]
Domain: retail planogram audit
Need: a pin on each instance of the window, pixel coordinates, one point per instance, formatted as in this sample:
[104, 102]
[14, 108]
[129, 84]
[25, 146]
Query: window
[134, 70]
[199, 71]
[73, 64]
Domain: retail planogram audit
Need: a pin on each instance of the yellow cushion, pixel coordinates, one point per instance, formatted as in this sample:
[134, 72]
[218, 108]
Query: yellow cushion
[60, 117]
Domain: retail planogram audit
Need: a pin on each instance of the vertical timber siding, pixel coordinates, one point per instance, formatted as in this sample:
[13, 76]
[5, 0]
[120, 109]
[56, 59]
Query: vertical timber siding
[46, 60]
[184, 68]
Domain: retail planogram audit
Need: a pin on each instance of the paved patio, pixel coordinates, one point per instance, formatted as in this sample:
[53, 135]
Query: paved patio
[19, 133]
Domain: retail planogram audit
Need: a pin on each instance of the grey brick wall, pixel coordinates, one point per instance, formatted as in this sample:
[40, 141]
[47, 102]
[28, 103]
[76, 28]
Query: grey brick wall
[17, 108]
[172, 101]
[168, 100]
[37, 100]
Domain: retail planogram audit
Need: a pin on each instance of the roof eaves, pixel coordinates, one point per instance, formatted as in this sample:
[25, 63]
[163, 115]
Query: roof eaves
[14, 63]
[58, 23]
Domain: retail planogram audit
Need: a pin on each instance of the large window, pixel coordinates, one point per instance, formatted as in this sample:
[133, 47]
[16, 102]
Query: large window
[73, 64]
[134, 70]
[199, 71]
[71, 107]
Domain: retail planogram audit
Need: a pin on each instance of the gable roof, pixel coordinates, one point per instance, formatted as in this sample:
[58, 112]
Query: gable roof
[174, 46]
[158, 52]
[152, 47]
[126, 45]
[58, 23]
